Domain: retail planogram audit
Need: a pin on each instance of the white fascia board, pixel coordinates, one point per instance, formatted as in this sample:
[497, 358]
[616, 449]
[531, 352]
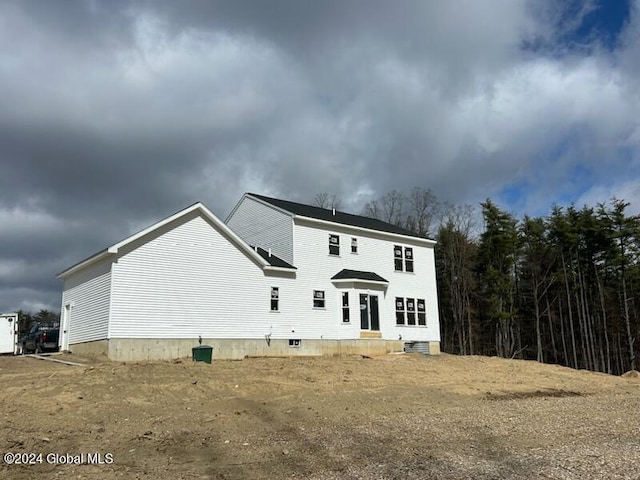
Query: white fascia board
[207, 213]
[270, 268]
[359, 280]
[406, 238]
[78, 266]
[116, 246]
[270, 205]
[113, 249]
[226, 220]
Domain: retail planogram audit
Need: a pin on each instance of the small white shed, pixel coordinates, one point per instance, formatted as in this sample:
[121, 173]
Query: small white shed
[9, 333]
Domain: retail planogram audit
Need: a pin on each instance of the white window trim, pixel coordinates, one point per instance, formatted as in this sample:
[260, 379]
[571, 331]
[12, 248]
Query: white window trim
[324, 300]
[277, 310]
[343, 308]
[336, 245]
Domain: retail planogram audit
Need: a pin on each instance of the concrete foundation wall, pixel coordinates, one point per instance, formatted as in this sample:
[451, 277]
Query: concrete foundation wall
[130, 349]
[135, 349]
[99, 347]
[434, 348]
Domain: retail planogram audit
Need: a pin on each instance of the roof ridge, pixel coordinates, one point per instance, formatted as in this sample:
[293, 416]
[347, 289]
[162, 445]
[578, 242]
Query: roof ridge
[337, 216]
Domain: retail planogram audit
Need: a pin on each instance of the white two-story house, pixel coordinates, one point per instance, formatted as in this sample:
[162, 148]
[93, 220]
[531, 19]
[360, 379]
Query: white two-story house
[277, 278]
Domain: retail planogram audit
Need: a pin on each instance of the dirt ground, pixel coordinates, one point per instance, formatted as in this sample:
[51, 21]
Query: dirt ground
[391, 417]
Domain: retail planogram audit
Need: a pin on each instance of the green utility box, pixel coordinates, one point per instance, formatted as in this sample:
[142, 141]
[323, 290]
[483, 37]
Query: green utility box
[202, 353]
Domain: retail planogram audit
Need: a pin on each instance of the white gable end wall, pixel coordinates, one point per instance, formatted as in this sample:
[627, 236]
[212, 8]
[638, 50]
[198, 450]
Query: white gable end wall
[263, 226]
[191, 281]
[87, 294]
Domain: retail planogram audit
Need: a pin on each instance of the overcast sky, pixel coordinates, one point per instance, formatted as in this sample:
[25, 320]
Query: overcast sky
[115, 114]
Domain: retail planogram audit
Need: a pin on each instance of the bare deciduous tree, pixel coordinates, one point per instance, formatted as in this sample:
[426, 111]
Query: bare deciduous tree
[327, 200]
[387, 208]
[423, 210]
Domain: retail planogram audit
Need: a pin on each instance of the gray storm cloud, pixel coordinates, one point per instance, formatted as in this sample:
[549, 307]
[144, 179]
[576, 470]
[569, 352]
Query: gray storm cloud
[116, 114]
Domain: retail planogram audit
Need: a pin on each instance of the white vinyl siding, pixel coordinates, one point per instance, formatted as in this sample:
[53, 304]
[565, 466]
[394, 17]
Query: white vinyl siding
[189, 281]
[188, 278]
[88, 293]
[315, 270]
[263, 226]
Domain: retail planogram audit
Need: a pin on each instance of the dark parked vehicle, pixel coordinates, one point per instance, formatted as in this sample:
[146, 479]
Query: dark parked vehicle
[42, 336]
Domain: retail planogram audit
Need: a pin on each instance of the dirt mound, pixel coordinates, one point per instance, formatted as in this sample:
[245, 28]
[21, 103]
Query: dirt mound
[320, 418]
[550, 392]
[631, 374]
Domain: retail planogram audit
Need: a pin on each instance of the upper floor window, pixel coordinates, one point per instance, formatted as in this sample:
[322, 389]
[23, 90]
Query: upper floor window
[354, 245]
[397, 257]
[334, 244]
[408, 259]
[275, 299]
[318, 299]
[345, 307]
[402, 258]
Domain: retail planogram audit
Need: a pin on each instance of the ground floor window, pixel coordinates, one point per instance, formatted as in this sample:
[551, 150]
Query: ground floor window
[318, 299]
[410, 309]
[422, 314]
[345, 307]
[275, 299]
[399, 311]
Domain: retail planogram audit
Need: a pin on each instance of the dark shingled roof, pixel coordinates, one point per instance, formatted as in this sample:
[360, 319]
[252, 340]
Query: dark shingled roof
[340, 217]
[273, 260]
[357, 274]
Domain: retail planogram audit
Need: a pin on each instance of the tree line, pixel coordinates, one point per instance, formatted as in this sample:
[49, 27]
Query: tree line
[562, 288]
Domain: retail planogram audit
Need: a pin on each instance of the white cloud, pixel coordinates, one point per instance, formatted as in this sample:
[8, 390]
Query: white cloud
[165, 104]
[628, 191]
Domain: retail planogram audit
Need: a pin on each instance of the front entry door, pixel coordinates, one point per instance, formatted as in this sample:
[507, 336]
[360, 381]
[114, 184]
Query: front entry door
[369, 316]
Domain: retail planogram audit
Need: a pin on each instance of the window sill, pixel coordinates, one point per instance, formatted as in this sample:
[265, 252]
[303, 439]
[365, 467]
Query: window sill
[274, 311]
[319, 308]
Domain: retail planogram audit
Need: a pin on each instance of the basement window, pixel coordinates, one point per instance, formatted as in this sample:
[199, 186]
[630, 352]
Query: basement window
[295, 343]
